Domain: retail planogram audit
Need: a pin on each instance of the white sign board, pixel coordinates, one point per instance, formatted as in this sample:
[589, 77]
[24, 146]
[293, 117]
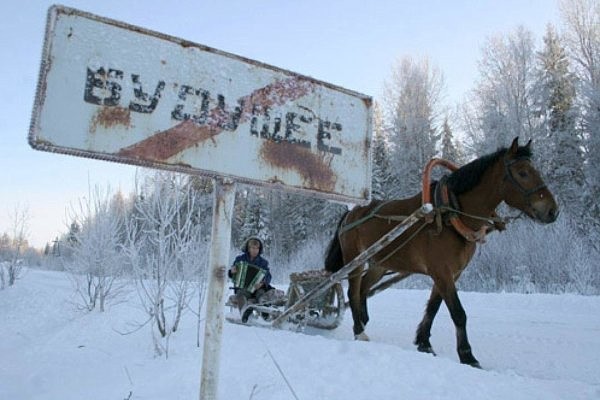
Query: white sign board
[112, 91]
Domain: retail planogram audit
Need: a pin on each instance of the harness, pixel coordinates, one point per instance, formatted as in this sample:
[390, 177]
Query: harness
[446, 204]
[508, 176]
[447, 207]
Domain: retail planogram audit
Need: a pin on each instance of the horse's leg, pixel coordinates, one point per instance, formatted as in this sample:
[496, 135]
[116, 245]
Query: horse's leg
[371, 277]
[424, 328]
[459, 317]
[354, 298]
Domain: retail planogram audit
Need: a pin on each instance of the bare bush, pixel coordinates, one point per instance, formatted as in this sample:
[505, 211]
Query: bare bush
[96, 262]
[166, 252]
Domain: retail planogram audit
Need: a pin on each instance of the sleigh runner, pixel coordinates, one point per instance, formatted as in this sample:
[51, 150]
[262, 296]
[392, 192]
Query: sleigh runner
[325, 311]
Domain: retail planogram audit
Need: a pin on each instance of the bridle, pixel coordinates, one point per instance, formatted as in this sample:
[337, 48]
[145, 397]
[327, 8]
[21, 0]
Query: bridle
[508, 176]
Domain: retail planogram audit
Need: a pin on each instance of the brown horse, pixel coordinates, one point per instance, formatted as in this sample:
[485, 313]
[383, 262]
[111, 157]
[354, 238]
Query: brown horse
[439, 249]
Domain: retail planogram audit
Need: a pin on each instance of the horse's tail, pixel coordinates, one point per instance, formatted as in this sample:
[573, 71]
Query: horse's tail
[334, 260]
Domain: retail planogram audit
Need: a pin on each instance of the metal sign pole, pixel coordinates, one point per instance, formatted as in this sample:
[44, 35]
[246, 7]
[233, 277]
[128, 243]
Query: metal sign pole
[224, 197]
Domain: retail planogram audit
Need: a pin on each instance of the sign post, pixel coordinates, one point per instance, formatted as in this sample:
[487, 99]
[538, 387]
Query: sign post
[112, 91]
[224, 196]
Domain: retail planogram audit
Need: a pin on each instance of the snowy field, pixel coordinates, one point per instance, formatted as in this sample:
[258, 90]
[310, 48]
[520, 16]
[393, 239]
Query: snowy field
[530, 346]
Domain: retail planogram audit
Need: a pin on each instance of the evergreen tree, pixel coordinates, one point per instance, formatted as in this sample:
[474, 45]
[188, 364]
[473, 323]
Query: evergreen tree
[256, 219]
[382, 177]
[74, 230]
[559, 148]
[450, 150]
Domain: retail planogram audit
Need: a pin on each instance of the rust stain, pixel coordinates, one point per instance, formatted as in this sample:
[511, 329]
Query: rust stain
[166, 144]
[172, 141]
[315, 172]
[110, 117]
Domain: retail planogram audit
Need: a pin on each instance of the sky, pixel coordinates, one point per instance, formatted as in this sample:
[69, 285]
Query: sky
[352, 44]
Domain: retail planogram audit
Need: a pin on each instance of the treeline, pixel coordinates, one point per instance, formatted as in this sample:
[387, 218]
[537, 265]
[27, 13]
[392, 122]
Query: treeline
[545, 89]
[548, 92]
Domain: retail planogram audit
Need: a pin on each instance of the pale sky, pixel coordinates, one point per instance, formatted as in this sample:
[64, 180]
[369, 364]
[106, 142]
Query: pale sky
[350, 43]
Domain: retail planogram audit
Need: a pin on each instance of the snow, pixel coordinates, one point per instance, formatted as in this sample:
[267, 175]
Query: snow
[532, 346]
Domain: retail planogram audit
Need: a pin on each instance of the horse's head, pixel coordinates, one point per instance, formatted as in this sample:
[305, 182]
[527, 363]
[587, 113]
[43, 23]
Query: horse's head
[524, 188]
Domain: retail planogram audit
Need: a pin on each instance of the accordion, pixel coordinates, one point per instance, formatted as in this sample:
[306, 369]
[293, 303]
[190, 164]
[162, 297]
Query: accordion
[247, 276]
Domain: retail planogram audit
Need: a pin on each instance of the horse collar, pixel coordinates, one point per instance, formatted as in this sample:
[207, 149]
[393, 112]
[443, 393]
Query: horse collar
[444, 199]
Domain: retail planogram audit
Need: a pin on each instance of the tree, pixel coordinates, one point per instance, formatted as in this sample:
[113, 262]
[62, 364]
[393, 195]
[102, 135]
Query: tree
[450, 151]
[96, 262]
[382, 180]
[412, 101]
[74, 230]
[582, 25]
[14, 244]
[166, 251]
[256, 219]
[560, 145]
[503, 102]
[581, 20]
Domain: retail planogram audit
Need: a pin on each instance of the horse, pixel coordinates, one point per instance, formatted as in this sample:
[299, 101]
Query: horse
[441, 250]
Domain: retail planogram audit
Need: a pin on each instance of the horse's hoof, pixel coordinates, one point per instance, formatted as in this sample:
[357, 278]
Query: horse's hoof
[472, 363]
[475, 365]
[362, 336]
[423, 348]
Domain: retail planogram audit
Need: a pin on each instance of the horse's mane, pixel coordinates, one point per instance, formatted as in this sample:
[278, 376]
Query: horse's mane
[468, 176]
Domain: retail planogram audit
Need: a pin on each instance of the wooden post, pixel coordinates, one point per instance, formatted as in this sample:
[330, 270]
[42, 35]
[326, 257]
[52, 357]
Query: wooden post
[224, 197]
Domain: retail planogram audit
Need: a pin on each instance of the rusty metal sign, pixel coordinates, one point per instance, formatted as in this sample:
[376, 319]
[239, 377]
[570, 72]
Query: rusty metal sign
[112, 91]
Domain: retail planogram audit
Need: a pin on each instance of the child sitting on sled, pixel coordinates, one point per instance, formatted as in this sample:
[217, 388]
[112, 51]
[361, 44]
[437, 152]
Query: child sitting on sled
[252, 278]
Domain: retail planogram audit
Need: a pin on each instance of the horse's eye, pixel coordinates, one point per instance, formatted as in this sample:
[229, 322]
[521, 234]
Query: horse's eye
[523, 174]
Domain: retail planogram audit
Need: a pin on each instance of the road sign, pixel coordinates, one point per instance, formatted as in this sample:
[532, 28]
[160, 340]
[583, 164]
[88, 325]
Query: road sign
[116, 92]
[112, 91]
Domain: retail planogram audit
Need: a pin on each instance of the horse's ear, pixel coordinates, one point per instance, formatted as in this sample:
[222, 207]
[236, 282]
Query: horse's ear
[528, 146]
[514, 147]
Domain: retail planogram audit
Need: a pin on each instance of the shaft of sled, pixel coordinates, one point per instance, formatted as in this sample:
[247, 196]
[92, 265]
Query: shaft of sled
[388, 282]
[385, 284]
[357, 262]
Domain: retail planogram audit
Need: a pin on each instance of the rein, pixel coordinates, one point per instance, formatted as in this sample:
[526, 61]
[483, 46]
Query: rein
[373, 213]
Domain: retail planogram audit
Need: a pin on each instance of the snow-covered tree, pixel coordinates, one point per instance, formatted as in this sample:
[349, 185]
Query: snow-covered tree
[166, 251]
[559, 147]
[450, 149]
[581, 20]
[502, 105]
[13, 246]
[382, 180]
[96, 262]
[411, 104]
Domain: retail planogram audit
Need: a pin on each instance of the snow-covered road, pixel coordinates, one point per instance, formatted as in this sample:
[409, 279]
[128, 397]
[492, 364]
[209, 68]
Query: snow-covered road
[531, 347]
